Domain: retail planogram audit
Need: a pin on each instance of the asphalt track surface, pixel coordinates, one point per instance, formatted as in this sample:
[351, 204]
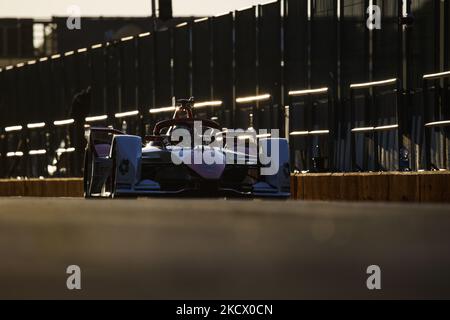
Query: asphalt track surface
[218, 249]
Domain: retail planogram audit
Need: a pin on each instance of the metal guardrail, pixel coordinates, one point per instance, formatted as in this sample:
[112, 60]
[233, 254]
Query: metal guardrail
[42, 149]
[436, 114]
[371, 125]
[309, 131]
[51, 149]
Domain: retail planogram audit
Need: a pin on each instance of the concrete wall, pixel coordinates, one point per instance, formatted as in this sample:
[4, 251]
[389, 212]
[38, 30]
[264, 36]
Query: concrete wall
[412, 187]
[392, 186]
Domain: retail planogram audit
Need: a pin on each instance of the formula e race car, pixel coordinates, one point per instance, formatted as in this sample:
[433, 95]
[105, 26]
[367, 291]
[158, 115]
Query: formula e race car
[186, 157]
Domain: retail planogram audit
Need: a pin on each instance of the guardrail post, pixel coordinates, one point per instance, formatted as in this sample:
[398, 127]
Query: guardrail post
[374, 116]
[403, 131]
[332, 132]
[439, 109]
[427, 119]
[2, 155]
[352, 136]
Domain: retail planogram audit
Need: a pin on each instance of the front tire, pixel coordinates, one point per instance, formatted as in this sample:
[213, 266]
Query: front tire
[88, 174]
[113, 177]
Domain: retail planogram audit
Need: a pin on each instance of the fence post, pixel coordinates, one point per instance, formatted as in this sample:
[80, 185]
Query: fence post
[426, 120]
[2, 155]
[352, 136]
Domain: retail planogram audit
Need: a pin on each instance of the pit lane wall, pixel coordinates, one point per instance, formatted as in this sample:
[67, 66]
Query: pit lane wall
[71, 187]
[386, 186]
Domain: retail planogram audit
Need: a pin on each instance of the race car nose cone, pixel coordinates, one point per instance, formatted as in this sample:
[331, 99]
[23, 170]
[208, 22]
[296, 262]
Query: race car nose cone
[202, 163]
